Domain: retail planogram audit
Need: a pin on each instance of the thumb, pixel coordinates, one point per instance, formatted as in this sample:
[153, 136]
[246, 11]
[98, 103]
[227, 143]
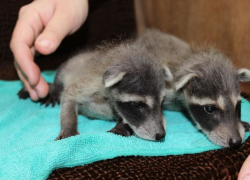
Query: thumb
[51, 37]
[245, 170]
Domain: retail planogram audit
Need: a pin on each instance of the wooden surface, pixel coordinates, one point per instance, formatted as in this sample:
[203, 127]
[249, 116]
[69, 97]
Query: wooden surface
[225, 24]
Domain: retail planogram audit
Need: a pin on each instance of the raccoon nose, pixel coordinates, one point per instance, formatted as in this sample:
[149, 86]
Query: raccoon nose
[235, 143]
[160, 135]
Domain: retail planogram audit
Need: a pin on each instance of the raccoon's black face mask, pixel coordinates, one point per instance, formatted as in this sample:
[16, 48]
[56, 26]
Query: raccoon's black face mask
[137, 97]
[138, 101]
[214, 103]
[219, 120]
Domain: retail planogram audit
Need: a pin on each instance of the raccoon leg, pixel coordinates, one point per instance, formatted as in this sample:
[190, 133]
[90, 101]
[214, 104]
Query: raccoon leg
[246, 125]
[68, 119]
[122, 129]
[55, 89]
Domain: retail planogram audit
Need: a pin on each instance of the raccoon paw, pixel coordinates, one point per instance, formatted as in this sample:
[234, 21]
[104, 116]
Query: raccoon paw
[246, 125]
[66, 134]
[52, 98]
[122, 129]
[23, 94]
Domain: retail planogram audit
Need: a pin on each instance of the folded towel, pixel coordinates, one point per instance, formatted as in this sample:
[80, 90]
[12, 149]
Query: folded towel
[28, 130]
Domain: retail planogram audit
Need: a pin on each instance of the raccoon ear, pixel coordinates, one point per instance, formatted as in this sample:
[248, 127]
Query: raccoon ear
[111, 78]
[244, 75]
[167, 74]
[184, 80]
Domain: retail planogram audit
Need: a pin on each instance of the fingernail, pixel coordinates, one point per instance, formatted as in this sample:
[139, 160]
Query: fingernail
[246, 178]
[45, 43]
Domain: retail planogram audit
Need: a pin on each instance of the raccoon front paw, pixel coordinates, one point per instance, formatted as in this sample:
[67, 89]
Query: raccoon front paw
[50, 100]
[246, 125]
[123, 130]
[23, 94]
[53, 97]
[66, 134]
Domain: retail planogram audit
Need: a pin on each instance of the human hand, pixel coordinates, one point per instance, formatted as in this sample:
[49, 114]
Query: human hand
[245, 170]
[41, 26]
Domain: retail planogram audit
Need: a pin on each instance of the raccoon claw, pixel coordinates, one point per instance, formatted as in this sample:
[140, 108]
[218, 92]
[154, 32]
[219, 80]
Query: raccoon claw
[246, 125]
[122, 133]
[42, 101]
[66, 134]
[50, 99]
[23, 94]
[53, 103]
[122, 129]
[47, 102]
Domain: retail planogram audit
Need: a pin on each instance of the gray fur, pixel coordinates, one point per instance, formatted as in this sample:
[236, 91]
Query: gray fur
[201, 76]
[122, 82]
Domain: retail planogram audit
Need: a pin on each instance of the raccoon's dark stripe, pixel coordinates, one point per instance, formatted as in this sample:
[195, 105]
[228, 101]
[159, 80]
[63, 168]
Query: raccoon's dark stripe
[238, 109]
[232, 111]
[143, 83]
[207, 121]
[136, 113]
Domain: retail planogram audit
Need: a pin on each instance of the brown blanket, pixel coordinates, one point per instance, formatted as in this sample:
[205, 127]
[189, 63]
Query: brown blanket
[219, 164]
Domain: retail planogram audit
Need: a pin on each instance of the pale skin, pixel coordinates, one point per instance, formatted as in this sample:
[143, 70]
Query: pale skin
[41, 26]
[245, 170]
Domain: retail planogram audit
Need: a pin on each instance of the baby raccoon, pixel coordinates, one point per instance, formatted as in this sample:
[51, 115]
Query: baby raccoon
[205, 82]
[121, 83]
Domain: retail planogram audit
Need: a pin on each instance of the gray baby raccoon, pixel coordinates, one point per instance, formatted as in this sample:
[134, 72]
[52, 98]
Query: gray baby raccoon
[121, 83]
[205, 82]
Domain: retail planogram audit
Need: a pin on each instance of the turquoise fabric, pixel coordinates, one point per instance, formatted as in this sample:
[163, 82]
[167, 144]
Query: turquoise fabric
[28, 130]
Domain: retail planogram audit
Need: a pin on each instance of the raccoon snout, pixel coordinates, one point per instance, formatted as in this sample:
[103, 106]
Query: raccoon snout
[235, 142]
[160, 135]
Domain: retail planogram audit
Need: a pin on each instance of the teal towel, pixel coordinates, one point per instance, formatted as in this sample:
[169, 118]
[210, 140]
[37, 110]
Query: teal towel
[28, 130]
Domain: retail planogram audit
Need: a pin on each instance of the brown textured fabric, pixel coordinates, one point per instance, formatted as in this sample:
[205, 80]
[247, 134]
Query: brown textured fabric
[107, 20]
[218, 164]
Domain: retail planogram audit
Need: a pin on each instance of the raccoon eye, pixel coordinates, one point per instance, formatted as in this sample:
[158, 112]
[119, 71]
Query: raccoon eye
[137, 104]
[209, 109]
